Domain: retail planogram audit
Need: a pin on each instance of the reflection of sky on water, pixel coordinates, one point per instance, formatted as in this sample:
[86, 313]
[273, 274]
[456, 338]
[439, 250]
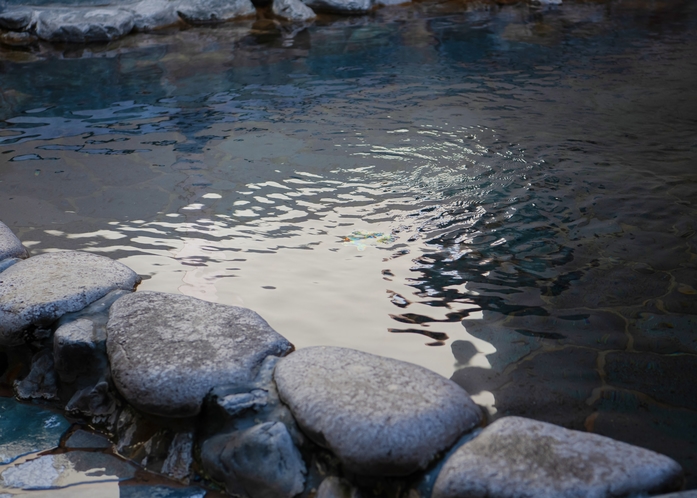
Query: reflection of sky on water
[532, 168]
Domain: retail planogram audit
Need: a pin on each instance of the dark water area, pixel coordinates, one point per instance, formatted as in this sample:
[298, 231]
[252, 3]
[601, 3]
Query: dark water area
[506, 194]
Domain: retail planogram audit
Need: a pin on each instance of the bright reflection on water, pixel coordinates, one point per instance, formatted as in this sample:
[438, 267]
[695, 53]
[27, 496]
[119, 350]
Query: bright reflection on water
[378, 182]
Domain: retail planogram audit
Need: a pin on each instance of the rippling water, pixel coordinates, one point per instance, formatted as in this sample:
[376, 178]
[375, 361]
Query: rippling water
[504, 194]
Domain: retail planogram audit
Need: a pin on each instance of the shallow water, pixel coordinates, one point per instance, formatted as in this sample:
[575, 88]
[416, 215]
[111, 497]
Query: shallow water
[378, 182]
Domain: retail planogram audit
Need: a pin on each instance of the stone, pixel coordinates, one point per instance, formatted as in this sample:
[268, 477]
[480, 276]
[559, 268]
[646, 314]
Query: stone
[10, 245]
[17, 19]
[516, 457]
[259, 462]
[214, 11]
[159, 491]
[150, 15]
[82, 25]
[167, 351]
[87, 440]
[93, 401]
[387, 3]
[6, 263]
[75, 346]
[41, 289]
[67, 469]
[41, 381]
[378, 415]
[336, 487]
[681, 494]
[27, 429]
[292, 10]
[179, 459]
[340, 6]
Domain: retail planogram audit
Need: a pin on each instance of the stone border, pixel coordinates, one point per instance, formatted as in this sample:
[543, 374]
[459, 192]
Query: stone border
[178, 381]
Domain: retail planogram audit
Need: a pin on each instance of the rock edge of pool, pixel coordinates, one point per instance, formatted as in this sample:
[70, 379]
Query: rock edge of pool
[210, 399]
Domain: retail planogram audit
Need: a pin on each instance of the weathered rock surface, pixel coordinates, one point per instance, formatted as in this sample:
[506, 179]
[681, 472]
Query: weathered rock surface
[153, 14]
[340, 6]
[516, 457]
[260, 462]
[27, 429]
[80, 25]
[10, 245]
[335, 487]
[41, 381]
[292, 10]
[16, 19]
[167, 351]
[214, 11]
[41, 289]
[87, 440]
[378, 415]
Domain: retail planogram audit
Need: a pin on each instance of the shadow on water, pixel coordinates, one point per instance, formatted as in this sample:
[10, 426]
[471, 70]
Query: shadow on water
[514, 182]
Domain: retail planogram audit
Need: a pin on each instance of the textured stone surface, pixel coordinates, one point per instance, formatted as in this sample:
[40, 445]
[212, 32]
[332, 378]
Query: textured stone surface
[10, 245]
[153, 14]
[340, 6]
[41, 289]
[15, 19]
[259, 462]
[335, 487]
[213, 11]
[167, 351]
[80, 25]
[27, 428]
[84, 439]
[41, 381]
[378, 415]
[75, 349]
[292, 10]
[516, 457]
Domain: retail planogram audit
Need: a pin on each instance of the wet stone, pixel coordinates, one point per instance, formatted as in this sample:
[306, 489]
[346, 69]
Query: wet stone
[10, 245]
[292, 10]
[167, 351]
[38, 290]
[378, 415]
[41, 383]
[67, 469]
[214, 11]
[665, 334]
[16, 19]
[340, 6]
[499, 462]
[150, 15]
[660, 377]
[87, 440]
[140, 491]
[336, 487]
[27, 429]
[81, 25]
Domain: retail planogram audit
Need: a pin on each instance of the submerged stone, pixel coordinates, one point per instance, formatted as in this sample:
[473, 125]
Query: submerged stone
[516, 457]
[214, 11]
[259, 462]
[292, 10]
[167, 351]
[378, 415]
[67, 469]
[340, 6]
[38, 290]
[80, 25]
[10, 245]
[27, 429]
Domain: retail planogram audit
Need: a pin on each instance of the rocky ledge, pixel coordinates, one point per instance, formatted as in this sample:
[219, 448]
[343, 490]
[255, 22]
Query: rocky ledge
[210, 394]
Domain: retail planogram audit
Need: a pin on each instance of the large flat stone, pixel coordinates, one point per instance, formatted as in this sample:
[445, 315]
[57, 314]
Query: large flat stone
[10, 246]
[81, 25]
[41, 289]
[380, 416]
[167, 351]
[516, 457]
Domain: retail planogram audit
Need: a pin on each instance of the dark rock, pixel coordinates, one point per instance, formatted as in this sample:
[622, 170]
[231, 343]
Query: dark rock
[179, 459]
[259, 462]
[665, 334]
[340, 6]
[214, 11]
[95, 402]
[82, 25]
[378, 415]
[87, 440]
[167, 351]
[150, 15]
[14, 19]
[15, 39]
[516, 457]
[292, 10]
[336, 487]
[41, 381]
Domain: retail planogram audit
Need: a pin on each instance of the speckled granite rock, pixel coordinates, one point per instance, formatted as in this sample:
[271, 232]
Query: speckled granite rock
[516, 457]
[10, 246]
[378, 415]
[340, 6]
[80, 25]
[153, 14]
[292, 10]
[214, 11]
[38, 290]
[259, 462]
[167, 351]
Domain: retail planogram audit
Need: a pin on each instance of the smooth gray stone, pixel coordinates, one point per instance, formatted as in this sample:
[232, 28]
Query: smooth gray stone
[259, 462]
[214, 11]
[378, 415]
[16, 19]
[292, 10]
[81, 25]
[516, 457]
[83, 439]
[10, 245]
[167, 351]
[67, 469]
[38, 290]
[26, 429]
[149, 15]
[340, 6]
